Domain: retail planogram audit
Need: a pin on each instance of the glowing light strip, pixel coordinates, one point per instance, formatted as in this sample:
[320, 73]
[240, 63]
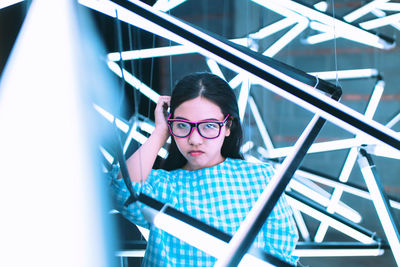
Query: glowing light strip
[286, 38]
[134, 82]
[243, 96]
[343, 29]
[347, 188]
[199, 239]
[364, 10]
[344, 210]
[125, 128]
[273, 28]
[315, 148]
[152, 52]
[215, 68]
[260, 124]
[330, 221]
[319, 38]
[383, 211]
[346, 74]
[166, 5]
[350, 161]
[390, 6]
[107, 155]
[301, 224]
[7, 3]
[380, 22]
[321, 6]
[108, 116]
[137, 253]
[393, 121]
[349, 252]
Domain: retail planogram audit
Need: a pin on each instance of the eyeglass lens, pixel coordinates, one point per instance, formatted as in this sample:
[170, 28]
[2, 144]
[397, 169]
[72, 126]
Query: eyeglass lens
[206, 129]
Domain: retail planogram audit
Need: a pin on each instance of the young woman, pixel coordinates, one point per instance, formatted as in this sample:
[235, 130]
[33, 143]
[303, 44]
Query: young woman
[204, 174]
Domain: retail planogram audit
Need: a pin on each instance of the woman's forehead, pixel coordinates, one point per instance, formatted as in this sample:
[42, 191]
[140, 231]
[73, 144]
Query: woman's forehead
[199, 108]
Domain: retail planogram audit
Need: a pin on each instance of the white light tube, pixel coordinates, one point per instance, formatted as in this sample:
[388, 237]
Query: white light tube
[108, 116]
[273, 28]
[345, 74]
[350, 161]
[364, 10]
[247, 146]
[145, 24]
[393, 121]
[348, 252]
[383, 151]
[383, 211]
[134, 82]
[342, 29]
[125, 128]
[380, 22]
[107, 155]
[347, 188]
[152, 52]
[243, 96]
[321, 6]
[301, 224]
[7, 3]
[286, 38]
[315, 148]
[319, 38]
[213, 66]
[137, 253]
[237, 80]
[260, 124]
[344, 211]
[390, 6]
[199, 239]
[166, 5]
[330, 221]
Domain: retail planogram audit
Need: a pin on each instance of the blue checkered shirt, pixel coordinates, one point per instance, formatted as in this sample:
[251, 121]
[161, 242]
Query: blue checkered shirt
[220, 196]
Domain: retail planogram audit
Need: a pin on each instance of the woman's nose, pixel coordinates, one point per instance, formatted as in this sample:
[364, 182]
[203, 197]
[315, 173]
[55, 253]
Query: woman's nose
[195, 138]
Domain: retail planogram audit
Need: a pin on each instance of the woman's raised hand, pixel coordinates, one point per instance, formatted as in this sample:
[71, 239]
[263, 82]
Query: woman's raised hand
[160, 116]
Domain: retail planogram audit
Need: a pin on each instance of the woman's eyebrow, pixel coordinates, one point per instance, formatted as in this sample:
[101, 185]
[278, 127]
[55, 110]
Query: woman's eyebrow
[182, 118]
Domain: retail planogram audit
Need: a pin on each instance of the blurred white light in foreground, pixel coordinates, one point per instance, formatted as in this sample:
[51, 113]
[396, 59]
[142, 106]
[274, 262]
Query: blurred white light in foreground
[7, 3]
[48, 193]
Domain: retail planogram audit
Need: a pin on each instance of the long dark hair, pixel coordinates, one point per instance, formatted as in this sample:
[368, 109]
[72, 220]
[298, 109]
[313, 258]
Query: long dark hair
[218, 91]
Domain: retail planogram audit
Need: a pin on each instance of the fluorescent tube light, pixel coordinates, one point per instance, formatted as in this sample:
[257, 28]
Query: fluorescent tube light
[7, 3]
[389, 223]
[166, 5]
[380, 22]
[213, 66]
[134, 82]
[321, 6]
[364, 10]
[338, 252]
[330, 221]
[346, 74]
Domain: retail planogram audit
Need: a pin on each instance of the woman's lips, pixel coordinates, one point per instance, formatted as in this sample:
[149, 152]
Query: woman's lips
[195, 153]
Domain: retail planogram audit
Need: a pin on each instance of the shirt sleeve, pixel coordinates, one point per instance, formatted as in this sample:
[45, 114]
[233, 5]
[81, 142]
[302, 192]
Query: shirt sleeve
[281, 231]
[157, 186]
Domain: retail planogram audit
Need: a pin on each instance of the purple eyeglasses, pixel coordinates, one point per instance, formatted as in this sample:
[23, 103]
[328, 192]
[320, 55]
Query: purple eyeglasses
[183, 128]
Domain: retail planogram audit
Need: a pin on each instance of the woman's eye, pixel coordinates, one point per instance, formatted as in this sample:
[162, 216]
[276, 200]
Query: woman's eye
[211, 126]
[182, 125]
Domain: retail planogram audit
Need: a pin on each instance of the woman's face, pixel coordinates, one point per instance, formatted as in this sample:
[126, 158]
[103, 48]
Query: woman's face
[199, 151]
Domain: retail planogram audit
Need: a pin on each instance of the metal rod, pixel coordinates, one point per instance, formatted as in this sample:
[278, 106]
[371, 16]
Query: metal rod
[381, 202]
[250, 227]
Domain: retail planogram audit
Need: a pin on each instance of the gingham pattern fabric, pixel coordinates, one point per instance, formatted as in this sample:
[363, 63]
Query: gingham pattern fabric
[221, 196]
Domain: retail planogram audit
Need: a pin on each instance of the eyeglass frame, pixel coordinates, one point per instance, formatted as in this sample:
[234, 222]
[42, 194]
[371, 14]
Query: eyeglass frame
[194, 124]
